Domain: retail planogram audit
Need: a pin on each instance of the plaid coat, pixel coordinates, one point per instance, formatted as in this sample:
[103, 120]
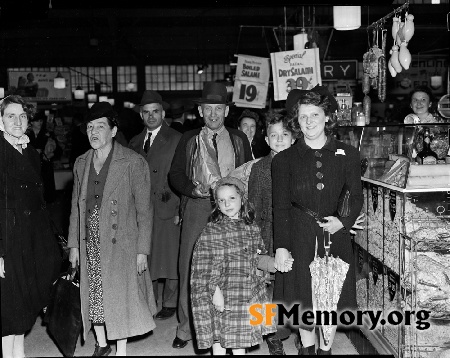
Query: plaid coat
[226, 255]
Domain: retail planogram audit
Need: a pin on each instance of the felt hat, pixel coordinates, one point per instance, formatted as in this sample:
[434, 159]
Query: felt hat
[100, 110]
[148, 97]
[214, 93]
[177, 108]
[296, 94]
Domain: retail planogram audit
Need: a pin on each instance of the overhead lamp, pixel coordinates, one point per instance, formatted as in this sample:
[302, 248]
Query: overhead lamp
[103, 98]
[346, 17]
[92, 96]
[2, 92]
[59, 81]
[90, 104]
[78, 93]
[201, 69]
[130, 86]
[111, 101]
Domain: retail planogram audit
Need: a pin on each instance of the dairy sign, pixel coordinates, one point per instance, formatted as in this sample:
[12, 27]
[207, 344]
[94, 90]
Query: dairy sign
[251, 82]
[295, 69]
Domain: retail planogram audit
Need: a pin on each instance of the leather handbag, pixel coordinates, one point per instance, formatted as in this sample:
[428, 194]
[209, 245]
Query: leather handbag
[63, 314]
[343, 208]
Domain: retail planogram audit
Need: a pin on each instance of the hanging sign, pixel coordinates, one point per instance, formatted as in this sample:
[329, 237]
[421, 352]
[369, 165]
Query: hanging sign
[38, 86]
[298, 69]
[392, 204]
[374, 197]
[251, 82]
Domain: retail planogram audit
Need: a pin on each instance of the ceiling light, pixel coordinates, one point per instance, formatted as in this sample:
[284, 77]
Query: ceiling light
[130, 86]
[201, 69]
[79, 93]
[59, 82]
[2, 92]
[346, 17]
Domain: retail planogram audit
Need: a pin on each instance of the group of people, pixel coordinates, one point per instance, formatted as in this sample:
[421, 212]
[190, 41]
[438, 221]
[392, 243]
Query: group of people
[149, 212]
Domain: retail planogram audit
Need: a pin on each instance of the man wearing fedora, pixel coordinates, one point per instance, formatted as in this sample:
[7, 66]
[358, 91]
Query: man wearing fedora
[232, 149]
[177, 111]
[157, 144]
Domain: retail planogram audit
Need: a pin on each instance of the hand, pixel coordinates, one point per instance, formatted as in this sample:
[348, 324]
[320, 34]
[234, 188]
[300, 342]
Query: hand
[281, 256]
[141, 263]
[218, 300]
[288, 263]
[176, 220]
[2, 267]
[359, 220]
[198, 191]
[74, 257]
[332, 225]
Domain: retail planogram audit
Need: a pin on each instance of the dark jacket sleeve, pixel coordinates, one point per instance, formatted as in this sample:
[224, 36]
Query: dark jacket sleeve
[281, 201]
[254, 193]
[353, 182]
[177, 174]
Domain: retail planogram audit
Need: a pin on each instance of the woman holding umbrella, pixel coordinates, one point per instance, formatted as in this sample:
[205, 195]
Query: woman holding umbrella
[308, 179]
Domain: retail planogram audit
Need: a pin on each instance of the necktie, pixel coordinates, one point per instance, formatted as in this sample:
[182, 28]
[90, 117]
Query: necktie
[147, 143]
[215, 145]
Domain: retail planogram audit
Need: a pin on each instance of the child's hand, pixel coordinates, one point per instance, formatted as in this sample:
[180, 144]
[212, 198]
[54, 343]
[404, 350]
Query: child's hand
[218, 300]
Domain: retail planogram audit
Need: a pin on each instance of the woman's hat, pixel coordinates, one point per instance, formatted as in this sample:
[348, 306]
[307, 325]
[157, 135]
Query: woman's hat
[246, 113]
[214, 93]
[295, 95]
[148, 97]
[177, 108]
[99, 110]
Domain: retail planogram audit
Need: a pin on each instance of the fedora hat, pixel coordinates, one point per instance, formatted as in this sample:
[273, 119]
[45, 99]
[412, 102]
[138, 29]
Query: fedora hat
[177, 108]
[296, 94]
[100, 110]
[148, 97]
[214, 93]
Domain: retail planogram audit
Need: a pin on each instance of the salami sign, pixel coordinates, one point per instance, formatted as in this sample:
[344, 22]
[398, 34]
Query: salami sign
[251, 82]
[295, 69]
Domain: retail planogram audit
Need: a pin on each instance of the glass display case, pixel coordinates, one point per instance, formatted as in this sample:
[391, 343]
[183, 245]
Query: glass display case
[403, 254]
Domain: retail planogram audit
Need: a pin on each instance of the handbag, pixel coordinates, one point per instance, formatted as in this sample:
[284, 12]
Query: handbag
[61, 240]
[63, 315]
[343, 208]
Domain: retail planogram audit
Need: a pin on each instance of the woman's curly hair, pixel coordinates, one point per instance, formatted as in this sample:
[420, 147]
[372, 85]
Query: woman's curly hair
[314, 99]
[29, 109]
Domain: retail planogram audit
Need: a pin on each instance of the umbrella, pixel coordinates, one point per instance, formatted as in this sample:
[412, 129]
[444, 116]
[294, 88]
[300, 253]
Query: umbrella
[327, 277]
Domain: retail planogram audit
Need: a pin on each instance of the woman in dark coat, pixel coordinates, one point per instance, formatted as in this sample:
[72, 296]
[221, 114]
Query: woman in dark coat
[313, 173]
[30, 258]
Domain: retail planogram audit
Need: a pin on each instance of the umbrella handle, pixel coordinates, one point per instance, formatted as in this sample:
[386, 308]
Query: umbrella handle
[326, 242]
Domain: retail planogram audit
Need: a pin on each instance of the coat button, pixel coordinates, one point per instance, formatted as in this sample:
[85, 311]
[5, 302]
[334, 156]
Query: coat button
[114, 226]
[320, 186]
[96, 196]
[113, 240]
[27, 212]
[23, 186]
[155, 171]
[96, 182]
[113, 212]
[114, 202]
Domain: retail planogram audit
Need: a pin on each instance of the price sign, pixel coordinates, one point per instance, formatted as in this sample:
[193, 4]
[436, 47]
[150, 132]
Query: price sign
[249, 94]
[298, 69]
[251, 82]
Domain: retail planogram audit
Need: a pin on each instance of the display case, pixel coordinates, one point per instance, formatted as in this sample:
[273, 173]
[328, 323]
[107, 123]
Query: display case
[403, 254]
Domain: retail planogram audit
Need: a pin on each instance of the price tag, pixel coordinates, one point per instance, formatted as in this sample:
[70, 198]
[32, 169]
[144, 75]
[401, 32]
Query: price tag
[250, 94]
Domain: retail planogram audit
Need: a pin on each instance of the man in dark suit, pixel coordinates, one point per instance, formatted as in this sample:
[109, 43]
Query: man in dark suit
[157, 143]
[178, 113]
[232, 149]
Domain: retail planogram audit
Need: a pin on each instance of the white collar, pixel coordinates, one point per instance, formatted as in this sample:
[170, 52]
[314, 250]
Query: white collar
[154, 133]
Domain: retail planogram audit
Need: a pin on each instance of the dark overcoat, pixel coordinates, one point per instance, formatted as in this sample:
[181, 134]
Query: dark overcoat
[126, 217]
[314, 179]
[30, 251]
[166, 235]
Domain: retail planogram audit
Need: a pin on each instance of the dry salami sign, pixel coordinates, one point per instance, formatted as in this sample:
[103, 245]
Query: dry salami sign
[295, 69]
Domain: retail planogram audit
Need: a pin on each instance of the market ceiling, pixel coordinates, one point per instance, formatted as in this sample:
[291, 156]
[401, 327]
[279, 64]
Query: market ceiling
[131, 33]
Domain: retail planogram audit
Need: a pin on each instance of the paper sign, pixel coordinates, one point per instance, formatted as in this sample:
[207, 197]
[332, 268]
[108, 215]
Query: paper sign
[298, 69]
[251, 82]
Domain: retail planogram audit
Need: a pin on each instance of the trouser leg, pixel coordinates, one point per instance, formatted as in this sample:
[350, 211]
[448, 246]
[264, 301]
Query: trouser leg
[170, 293]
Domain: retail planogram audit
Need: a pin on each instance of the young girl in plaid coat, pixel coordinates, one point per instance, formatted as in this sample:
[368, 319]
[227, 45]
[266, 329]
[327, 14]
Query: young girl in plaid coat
[227, 274]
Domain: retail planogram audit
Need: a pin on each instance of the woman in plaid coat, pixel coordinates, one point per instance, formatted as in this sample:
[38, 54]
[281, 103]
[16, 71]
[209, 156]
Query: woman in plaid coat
[226, 276]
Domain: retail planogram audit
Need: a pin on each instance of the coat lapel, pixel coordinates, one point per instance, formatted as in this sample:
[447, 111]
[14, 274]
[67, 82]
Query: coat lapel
[116, 171]
[159, 141]
[83, 175]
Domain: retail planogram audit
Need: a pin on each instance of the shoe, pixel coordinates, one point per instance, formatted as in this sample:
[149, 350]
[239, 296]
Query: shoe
[320, 352]
[179, 343]
[166, 313]
[275, 347]
[307, 351]
[101, 351]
